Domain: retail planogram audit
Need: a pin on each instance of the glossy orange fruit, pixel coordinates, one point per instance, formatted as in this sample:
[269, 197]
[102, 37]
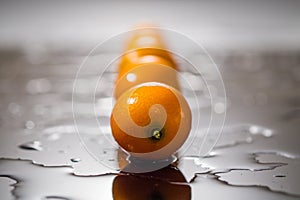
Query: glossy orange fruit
[145, 46]
[142, 56]
[145, 38]
[148, 72]
[143, 64]
[151, 120]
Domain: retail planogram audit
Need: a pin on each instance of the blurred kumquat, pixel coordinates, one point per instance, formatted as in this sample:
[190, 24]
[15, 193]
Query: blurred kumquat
[151, 119]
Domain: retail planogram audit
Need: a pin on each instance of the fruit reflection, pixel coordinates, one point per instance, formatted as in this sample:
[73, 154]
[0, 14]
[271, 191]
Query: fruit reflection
[163, 184]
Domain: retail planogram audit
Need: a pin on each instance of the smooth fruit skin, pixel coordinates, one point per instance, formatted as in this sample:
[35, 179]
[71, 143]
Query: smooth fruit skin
[143, 44]
[150, 72]
[134, 120]
[150, 40]
[146, 48]
[151, 119]
[137, 57]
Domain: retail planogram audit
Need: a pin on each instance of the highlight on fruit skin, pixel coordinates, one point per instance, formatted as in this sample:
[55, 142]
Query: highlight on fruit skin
[151, 121]
[149, 72]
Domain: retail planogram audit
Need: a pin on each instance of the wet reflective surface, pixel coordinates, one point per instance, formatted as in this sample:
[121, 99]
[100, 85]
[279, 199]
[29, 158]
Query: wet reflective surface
[257, 156]
[166, 183]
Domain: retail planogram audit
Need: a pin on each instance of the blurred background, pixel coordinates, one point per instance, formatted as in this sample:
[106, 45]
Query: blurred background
[218, 25]
[255, 44]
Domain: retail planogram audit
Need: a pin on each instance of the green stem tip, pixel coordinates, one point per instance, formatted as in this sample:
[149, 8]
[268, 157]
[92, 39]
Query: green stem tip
[156, 134]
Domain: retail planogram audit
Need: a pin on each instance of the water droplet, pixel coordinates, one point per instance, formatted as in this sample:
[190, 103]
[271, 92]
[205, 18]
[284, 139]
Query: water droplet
[29, 124]
[267, 133]
[249, 139]
[33, 145]
[53, 137]
[15, 109]
[38, 86]
[254, 129]
[280, 176]
[219, 108]
[75, 160]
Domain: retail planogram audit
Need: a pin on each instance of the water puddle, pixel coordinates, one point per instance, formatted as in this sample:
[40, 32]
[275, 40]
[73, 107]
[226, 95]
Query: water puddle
[41, 156]
[239, 162]
[234, 153]
[39, 182]
[207, 186]
[283, 178]
[236, 147]
[33, 145]
[6, 187]
[189, 166]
